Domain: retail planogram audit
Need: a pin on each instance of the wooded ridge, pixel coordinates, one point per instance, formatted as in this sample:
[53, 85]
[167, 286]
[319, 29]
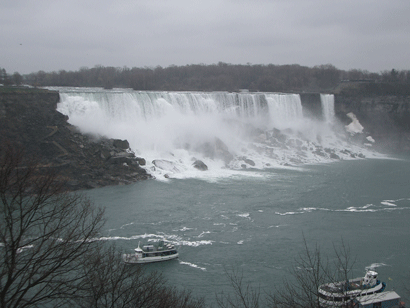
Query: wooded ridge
[214, 77]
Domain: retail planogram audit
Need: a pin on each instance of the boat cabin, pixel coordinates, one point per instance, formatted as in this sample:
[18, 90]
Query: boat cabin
[370, 279]
[148, 248]
[152, 253]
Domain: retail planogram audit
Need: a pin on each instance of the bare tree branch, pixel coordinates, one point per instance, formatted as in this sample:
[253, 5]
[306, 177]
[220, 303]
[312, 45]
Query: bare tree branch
[43, 233]
[111, 283]
[244, 295]
[49, 254]
[311, 269]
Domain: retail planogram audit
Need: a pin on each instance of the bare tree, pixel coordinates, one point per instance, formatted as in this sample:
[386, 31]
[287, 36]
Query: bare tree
[310, 270]
[43, 233]
[244, 295]
[111, 283]
[299, 288]
[49, 252]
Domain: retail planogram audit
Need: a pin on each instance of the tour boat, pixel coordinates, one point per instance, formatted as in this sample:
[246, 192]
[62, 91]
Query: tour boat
[339, 294]
[151, 253]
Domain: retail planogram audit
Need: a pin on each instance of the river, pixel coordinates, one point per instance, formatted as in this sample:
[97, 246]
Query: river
[255, 221]
[282, 177]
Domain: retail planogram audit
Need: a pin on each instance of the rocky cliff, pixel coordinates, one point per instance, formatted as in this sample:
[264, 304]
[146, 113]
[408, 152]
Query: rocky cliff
[382, 109]
[28, 118]
[312, 106]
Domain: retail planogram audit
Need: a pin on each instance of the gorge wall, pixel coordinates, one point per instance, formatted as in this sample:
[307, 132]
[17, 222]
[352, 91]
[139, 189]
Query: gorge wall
[311, 104]
[384, 116]
[28, 119]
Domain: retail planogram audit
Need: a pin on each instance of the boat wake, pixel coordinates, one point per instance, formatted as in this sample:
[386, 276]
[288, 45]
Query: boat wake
[173, 239]
[192, 265]
[385, 205]
[373, 266]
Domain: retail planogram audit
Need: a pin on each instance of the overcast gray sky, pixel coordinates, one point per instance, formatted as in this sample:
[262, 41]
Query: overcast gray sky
[51, 35]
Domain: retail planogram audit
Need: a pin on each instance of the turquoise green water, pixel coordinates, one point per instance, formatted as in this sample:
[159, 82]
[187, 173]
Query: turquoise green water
[256, 221]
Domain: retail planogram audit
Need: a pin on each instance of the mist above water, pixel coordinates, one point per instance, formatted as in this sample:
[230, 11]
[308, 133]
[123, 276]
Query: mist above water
[227, 131]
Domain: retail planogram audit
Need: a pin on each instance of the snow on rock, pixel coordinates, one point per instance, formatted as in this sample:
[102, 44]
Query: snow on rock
[354, 127]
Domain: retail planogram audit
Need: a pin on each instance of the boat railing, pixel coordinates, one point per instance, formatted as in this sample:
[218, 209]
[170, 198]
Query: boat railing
[347, 289]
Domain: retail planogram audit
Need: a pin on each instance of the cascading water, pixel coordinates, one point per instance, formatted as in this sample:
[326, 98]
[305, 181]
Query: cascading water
[227, 131]
[328, 107]
[285, 110]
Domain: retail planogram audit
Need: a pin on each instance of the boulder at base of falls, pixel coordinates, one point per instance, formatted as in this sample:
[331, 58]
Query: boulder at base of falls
[222, 151]
[200, 165]
[216, 150]
[141, 161]
[248, 161]
[121, 144]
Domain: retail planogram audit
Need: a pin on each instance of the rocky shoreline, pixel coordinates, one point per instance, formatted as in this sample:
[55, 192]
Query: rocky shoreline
[28, 118]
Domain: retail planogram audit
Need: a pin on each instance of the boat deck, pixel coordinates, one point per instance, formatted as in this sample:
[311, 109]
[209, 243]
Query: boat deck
[151, 253]
[157, 248]
[341, 287]
[351, 287]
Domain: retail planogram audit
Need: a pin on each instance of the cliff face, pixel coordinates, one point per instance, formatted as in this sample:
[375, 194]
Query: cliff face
[28, 118]
[25, 117]
[312, 106]
[382, 109]
[385, 118]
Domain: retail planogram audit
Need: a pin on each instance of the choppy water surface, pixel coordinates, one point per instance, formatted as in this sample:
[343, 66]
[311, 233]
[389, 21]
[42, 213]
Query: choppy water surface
[250, 210]
[255, 220]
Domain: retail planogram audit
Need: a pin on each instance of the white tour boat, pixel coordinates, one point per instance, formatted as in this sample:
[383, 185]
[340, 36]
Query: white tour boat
[339, 294]
[151, 253]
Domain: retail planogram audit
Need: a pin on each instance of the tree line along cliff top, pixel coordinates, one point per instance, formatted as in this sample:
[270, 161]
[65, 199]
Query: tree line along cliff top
[22, 90]
[214, 77]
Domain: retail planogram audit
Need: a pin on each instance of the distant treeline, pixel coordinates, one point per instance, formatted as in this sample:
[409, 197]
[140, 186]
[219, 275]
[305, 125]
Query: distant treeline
[215, 77]
[7, 80]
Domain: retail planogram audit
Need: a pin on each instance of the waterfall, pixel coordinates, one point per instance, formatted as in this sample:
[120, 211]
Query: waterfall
[159, 114]
[284, 109]
[328, 107]
[234, 130]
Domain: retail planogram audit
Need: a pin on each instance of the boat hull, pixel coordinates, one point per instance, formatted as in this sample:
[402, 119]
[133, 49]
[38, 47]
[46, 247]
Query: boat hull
[328, 299]
[135, 259]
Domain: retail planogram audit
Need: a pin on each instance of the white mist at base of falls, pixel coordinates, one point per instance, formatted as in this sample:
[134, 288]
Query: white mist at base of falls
[229, 132]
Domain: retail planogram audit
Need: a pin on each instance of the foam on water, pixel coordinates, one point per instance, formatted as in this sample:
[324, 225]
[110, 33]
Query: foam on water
[373, 266]
[195, 243]
[203, 233]
[171, 238]
[192, 265]
[385, 205]
[244, 215]
[388, 203]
